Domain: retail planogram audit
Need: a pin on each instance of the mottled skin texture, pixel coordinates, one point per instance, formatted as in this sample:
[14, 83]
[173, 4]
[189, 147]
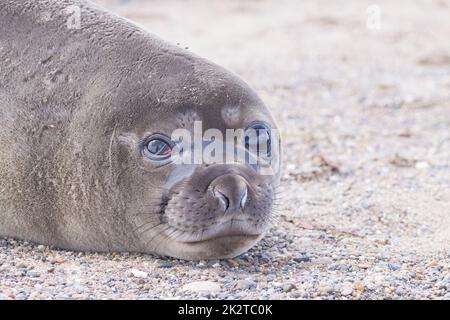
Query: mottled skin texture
[75, 105]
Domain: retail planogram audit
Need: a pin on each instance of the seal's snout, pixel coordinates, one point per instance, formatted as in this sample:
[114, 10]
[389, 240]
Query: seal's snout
[231, 192]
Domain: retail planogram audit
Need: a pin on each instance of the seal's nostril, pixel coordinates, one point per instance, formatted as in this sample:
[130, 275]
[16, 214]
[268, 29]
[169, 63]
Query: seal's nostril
[232, 192]
[224, 200]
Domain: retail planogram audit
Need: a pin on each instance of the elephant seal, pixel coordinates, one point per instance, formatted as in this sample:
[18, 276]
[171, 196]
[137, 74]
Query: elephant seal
[88, 108]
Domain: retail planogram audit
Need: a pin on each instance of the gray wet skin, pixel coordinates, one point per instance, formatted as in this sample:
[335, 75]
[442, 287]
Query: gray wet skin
[77, 106]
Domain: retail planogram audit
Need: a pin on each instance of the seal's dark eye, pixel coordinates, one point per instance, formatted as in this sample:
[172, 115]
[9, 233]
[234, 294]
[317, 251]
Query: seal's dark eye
[158, 148]
[258, 139]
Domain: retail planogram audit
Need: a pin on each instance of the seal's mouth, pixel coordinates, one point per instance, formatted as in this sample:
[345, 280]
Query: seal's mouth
[231, 227]
[218, 204]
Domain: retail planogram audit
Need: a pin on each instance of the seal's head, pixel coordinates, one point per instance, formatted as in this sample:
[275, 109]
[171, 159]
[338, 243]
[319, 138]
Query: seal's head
[182, 193]
[110, 140]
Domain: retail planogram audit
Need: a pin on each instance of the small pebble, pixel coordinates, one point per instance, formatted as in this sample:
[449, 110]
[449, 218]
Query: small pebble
[33, 274]
[137, 273]
[165, 264]
[346, 290]
[288, 287]
[202, 286]
[245, 284]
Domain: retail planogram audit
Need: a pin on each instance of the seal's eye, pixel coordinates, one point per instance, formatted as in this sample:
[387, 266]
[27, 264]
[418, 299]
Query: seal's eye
[158, 148]
[258, 139]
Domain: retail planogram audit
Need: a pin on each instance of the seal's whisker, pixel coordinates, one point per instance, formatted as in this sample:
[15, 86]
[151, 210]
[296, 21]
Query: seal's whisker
[165, 228]
[146, 223]
[151, 228]
[173, 232]
[145, 213]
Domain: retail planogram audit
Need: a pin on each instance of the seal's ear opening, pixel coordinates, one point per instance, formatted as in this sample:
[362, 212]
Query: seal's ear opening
[129, 139]
[128, 153]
